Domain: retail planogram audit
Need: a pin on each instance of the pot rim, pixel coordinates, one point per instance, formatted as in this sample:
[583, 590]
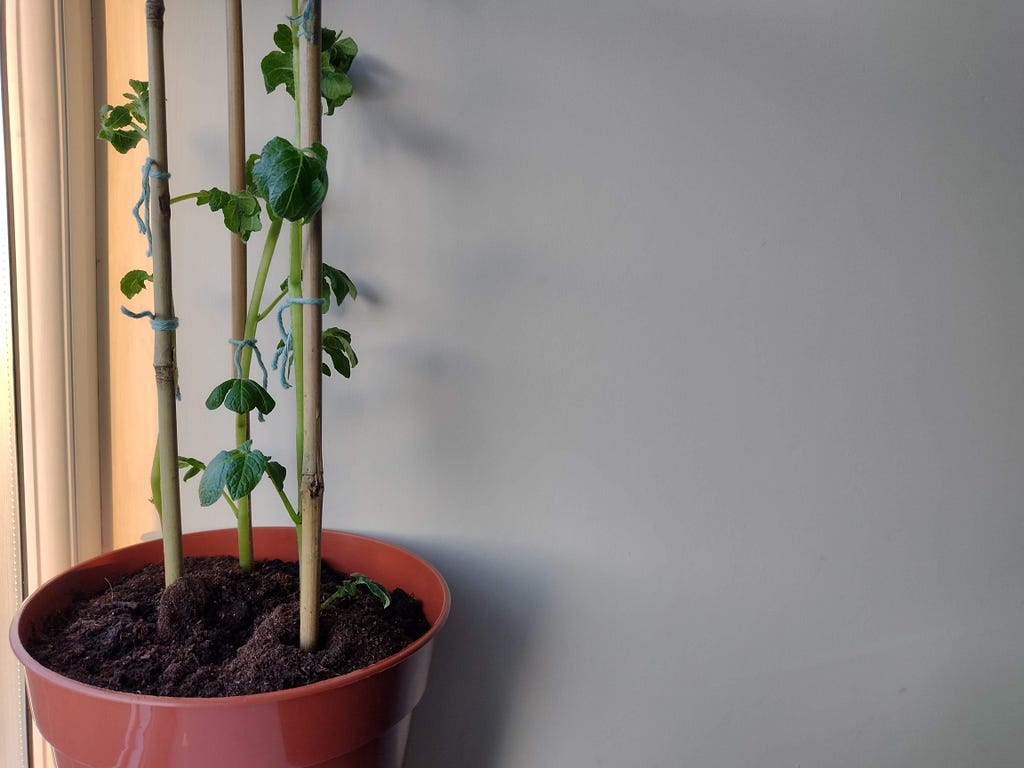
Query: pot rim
[252, 699]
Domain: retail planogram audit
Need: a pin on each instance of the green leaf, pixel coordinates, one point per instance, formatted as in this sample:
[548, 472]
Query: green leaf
[245, 469]
[319, 150]
[277, 473]
[134, 282]
[124, 126]
[194, 466]
[337, 345]
[116, 117]
[277, 65]
[349, 587]
[211, 484]
[122, 141]
[138, 101]
[337, 282]
[376, 590]
[283, 38]
[216, 398]
[277, 70]
[293, 181]
[343, 53]
[336, 58]
[328, 38]
[237, 471]
[246, 395]
[250, 184]
[335, 87]
[241, 209]
[240, 396]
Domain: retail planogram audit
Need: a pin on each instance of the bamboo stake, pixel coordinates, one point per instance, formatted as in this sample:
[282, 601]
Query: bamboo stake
[239, 275]
[163, 348]
[312, 484]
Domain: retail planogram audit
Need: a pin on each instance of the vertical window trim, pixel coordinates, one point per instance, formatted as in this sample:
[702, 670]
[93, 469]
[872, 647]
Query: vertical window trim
[13, 711]
[53, 159]
[52, 190]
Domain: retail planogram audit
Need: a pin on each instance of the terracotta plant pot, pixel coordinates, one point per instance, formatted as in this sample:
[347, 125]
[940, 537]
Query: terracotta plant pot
[358, 720]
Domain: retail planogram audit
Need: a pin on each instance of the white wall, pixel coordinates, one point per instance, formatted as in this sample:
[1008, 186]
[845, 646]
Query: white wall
[691, 352]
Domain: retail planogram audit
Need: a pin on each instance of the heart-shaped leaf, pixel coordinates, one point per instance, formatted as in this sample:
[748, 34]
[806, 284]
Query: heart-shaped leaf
[244, 472]
[293, 181]
[211, 484]
[240, 396]
[277, 473]
[237, 471]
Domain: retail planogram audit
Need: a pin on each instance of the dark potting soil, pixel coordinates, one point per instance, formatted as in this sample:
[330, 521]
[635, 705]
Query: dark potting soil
[219, 632]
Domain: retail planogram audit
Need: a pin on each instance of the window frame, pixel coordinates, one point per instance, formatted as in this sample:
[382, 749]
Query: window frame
[48, 65]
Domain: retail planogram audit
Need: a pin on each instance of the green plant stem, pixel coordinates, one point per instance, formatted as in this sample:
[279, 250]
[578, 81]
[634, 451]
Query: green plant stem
[254, 316]
[154, 482]
[289, 508]
[270, 307]
[189, 196]
[243, 512]
[235, 508]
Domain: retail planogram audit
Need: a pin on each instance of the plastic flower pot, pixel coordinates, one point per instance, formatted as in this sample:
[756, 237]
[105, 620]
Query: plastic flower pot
[358, 720]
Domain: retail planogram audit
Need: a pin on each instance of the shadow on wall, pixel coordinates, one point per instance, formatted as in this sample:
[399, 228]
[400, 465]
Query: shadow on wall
[497, 598]
[387, 119]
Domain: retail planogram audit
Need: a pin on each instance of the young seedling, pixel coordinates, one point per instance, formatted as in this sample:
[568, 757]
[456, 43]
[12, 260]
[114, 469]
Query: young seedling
[351, 585]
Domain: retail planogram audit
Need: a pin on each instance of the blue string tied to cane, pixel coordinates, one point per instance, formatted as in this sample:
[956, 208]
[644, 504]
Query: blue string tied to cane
[305, 20]
[157, 324]
[281, 355]
[241, 344]
[143, 202]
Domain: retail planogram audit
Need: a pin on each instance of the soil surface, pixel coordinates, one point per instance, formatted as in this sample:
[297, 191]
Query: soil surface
[219, 632]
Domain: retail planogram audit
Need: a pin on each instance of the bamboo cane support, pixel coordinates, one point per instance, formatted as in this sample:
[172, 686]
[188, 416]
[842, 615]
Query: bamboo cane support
[163, 351]
[312, 484]
[239, 274]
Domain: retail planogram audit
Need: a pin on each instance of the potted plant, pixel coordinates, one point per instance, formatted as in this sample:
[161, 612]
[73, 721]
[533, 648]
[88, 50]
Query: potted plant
[354, 720]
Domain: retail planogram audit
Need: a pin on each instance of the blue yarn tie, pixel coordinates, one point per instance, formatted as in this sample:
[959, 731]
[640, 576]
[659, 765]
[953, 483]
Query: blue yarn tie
[157, 324]
[281, 355]
[240, 344]
[305, 20]
[143, 202]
